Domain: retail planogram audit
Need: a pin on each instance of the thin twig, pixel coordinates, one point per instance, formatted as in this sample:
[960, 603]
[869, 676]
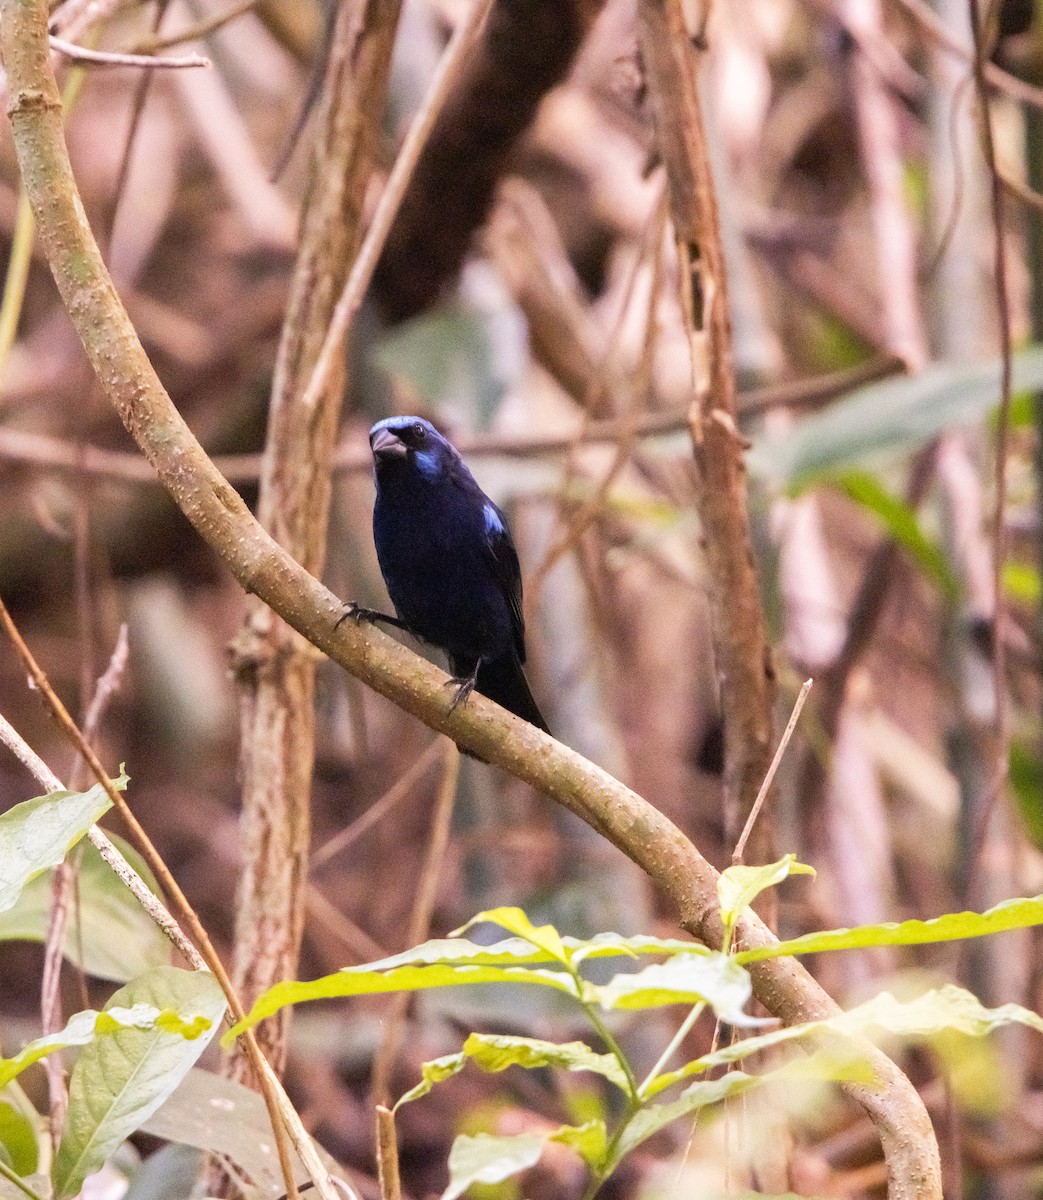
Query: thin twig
[352, 457]
[449, 68]
[377, 811]
[999, 535]
[113, 58]
[63, 887]
[343, 928]
[104, 692]
[993, 74]
[194, 33]
[588, 512]
[43, 774]
[387, 1154]
[277, 1108]
[769, 779]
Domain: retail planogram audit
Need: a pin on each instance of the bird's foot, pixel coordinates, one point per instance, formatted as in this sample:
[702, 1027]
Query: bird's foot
[464, 687]
[357, 613]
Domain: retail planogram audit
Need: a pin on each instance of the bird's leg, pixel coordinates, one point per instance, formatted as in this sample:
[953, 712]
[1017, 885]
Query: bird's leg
[357, 613]
[464, 685]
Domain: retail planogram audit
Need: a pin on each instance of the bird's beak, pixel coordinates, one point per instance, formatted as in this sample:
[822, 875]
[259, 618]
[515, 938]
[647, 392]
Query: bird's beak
[386, 444]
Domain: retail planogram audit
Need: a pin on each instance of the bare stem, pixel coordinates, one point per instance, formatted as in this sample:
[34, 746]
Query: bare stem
[769, 778]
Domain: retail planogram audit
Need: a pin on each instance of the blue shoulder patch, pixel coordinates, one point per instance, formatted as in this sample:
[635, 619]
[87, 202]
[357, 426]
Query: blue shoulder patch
[493, 523]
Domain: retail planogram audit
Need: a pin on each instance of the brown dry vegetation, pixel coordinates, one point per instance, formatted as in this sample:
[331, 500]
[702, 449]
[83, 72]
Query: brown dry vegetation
[528, 291]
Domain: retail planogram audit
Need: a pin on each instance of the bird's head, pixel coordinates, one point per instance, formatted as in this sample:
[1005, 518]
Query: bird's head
[410, 441]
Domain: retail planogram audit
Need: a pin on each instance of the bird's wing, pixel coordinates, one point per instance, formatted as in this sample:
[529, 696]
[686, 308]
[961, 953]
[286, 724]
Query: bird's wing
[506, 570]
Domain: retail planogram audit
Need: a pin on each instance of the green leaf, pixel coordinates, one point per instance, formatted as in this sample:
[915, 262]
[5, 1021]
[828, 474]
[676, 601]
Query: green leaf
[86, 1027]
[119, 940]
[37, 834]
[948, 1009]
[739, 886]
[613, 945]
[654, 1117]
[556, 948]
[1011, 914]
[543, 937]
[689, 979]
[486, 1158]
[434, 1072]
[892, 417]
[18, 1138]
[590, 1141]
[822, 1066]
[899, 521]
[496, 1053]
[120, 1080]
[365, 981]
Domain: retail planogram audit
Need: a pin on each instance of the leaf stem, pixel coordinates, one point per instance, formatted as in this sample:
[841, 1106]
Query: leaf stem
[18, 1181]
[671, 1050]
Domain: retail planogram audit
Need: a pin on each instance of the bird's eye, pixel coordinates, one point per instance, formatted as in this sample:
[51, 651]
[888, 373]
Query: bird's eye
[419, 432]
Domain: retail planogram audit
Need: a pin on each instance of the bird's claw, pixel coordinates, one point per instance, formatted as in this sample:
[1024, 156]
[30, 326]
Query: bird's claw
[464, 687]
[357, 613]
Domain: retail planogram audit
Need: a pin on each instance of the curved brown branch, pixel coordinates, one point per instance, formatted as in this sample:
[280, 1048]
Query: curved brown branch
[223, 520]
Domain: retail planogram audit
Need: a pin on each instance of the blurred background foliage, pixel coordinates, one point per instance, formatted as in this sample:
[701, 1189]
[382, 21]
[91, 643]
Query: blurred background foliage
[855, 211]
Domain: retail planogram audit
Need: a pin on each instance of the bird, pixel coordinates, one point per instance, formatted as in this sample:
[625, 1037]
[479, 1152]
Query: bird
[449, 564]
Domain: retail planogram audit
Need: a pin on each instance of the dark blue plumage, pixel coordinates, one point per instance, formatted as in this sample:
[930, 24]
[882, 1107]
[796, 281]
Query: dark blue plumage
[449, 563]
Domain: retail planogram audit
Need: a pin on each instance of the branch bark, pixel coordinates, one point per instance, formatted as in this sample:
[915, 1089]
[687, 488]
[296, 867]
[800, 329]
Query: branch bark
[744, 666]
[264, 568]
[275, 666]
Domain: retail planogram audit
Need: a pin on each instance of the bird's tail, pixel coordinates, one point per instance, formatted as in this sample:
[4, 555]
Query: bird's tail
[503, 680]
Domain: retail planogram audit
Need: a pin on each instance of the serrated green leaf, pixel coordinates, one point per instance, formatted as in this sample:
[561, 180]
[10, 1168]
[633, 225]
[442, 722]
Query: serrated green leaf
[714, 979]
[739, 886]
[899, 521]
[37, 834]
[120, 1080]
[364, 981]
[18, 1138]
[544, 937]
[891, 417]
[119, 940]
[496, 1053]
[1010, 914]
